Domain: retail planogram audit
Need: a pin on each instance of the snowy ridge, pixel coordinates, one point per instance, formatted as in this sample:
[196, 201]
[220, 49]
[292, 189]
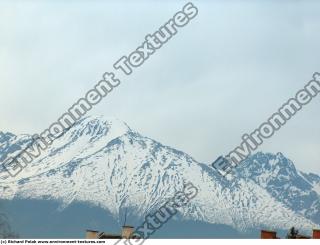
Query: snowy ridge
[278, 175]
[104, 162]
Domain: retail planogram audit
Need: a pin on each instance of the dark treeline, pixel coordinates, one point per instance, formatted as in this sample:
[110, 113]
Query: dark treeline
[5, 228]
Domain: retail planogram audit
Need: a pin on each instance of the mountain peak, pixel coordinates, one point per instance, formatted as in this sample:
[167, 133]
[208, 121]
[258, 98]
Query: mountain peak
[99, 126]
[103, 120]
[5, 136]
[102, 162]
[269, 161]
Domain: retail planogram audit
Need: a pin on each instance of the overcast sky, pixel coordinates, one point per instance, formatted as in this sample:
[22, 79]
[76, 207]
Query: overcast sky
[221, 76]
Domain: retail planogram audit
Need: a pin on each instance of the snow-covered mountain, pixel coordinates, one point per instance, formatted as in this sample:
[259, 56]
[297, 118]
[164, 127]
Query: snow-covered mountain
[105, 163]
[277, 174]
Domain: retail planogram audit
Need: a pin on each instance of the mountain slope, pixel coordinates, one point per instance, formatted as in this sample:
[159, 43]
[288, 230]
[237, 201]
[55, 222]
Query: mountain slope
[105, 163]
[298, 191]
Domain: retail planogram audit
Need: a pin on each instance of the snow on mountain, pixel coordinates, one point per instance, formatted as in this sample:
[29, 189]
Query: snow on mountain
[278, 175]
[105, 163]
[11, 144]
